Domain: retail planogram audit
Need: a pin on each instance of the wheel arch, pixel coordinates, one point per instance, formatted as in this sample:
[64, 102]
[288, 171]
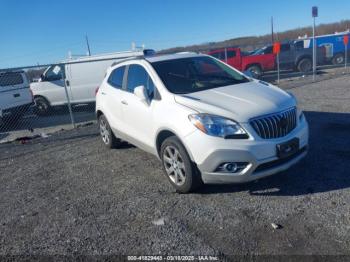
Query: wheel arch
[253, 64]
[41, 96]
[99, 113]
[303, 57]
[164, 134]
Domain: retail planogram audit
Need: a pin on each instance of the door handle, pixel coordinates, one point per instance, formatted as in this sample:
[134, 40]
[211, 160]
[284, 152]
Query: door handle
[124, 102]
[103, 93]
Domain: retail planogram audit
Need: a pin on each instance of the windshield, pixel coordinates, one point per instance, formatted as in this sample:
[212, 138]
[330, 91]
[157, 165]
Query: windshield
[193, 74]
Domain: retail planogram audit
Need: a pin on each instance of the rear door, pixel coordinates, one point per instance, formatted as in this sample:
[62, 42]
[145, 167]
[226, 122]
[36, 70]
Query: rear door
[112, 94]
[14, 90]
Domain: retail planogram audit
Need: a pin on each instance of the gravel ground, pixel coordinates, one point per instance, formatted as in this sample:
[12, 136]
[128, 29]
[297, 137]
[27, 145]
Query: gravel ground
[67, 194]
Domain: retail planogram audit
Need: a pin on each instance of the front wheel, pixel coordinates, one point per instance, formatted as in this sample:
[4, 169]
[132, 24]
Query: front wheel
[42, 106]
[179, 169]
[255, 71]
[304, 65]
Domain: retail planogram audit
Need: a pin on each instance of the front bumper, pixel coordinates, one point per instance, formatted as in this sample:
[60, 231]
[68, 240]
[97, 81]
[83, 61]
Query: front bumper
[259, 154]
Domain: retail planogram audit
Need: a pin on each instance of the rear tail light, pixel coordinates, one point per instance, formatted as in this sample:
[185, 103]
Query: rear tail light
[96, 90]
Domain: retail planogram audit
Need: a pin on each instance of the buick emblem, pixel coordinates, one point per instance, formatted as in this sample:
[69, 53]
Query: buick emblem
[283, 123]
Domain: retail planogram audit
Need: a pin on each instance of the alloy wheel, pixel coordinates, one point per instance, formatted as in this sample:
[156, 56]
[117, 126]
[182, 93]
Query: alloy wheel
[104, 131]
[174, 165]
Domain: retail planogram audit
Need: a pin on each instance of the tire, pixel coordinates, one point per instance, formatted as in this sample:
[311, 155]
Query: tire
[304, 65]
[178, 167]
[108, 138]
[42, 106]
[338, 59]
[255, 70]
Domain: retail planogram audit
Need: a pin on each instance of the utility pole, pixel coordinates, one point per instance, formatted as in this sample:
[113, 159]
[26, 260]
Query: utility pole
[88, 45]
[314, 44]
[272, 36]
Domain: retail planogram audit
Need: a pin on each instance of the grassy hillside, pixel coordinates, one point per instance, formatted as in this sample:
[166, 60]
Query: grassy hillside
[253, 42]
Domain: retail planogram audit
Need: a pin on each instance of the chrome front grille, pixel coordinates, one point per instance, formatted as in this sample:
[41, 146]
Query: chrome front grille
[275, 125]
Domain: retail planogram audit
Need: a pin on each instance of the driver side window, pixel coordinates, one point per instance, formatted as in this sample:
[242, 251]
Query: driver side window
[138, 76]
[56, 72]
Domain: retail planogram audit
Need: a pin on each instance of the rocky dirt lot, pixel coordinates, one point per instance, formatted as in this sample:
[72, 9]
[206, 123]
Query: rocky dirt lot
[67, 194]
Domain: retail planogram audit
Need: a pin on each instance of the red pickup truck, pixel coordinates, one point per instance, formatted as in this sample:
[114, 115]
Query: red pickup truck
[256, 64]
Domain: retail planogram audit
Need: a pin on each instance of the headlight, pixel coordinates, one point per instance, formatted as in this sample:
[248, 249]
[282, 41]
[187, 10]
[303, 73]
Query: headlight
[299, 111]
[300, 114]
[217, 126]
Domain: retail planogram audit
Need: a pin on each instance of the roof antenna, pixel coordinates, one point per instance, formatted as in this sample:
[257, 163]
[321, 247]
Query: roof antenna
[88, 45]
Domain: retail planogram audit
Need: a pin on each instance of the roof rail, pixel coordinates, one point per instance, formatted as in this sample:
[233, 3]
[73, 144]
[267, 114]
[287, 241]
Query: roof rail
[146, 53]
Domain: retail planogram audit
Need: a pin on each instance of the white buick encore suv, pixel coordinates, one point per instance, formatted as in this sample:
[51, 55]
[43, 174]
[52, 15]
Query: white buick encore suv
[205, 121]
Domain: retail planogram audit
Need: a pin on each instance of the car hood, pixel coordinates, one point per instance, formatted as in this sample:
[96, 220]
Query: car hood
[239, 102]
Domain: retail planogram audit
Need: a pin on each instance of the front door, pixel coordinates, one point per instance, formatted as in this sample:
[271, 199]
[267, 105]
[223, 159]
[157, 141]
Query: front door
[137, 114]
[52, 85]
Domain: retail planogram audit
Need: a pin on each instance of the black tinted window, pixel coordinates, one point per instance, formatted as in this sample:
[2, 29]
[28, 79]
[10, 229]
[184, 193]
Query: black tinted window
[268, 50]
[285, 47]
[116, 77]
[10, 79]
[231, 54]
[138, 76]
[54, 73]
[299, 45]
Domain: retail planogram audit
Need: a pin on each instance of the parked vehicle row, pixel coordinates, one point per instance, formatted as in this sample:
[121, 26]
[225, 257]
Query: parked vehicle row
[205, 121]
[333, 44]
[294, 55]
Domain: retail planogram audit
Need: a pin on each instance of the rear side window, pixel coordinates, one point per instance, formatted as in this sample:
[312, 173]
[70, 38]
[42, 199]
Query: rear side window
[138, 76]
[116, 77]
[299, 45]
[231, 54]
[268, 50]
[11, 79]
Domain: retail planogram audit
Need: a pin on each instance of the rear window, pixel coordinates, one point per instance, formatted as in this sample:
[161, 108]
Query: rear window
[116, 77]
[11, 79]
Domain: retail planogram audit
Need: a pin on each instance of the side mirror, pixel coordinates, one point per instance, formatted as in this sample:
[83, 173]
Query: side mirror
[42, 78]
[141, 93]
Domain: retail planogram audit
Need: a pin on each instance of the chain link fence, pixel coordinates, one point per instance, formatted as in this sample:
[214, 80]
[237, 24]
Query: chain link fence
[39, 100]
[36, 101]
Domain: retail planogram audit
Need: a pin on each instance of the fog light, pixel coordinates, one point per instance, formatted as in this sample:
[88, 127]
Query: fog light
[231, 167]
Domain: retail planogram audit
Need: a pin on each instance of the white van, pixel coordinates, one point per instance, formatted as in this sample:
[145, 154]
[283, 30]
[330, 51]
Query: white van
[15, 96]
[82, 77]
